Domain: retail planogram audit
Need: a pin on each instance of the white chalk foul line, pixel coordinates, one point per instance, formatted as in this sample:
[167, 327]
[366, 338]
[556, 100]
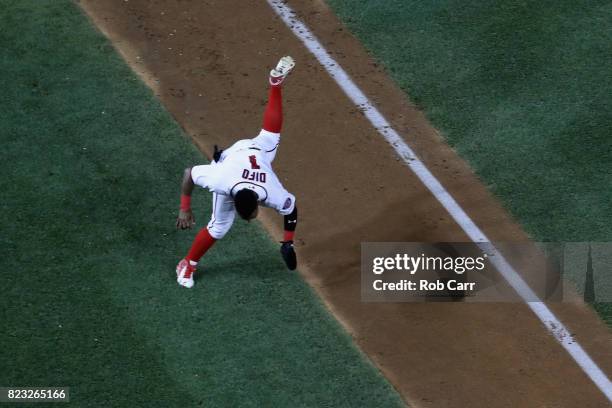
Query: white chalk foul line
[546, 316]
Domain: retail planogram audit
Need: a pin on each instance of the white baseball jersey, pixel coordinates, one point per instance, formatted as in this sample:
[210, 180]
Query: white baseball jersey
[245, 165]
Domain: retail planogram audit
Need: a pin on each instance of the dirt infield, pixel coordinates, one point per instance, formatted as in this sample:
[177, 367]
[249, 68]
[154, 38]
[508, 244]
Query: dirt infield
[207, 61]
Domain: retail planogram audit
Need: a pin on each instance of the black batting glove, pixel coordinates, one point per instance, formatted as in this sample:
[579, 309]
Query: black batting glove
[288, 253]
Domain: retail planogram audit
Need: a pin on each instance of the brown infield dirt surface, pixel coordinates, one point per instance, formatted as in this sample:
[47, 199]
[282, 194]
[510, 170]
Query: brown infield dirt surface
[208, 62]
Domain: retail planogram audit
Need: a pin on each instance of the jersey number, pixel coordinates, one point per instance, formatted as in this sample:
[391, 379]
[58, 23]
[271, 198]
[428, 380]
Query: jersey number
[253, 160]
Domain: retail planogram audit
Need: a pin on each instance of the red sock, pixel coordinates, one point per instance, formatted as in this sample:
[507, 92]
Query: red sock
[202, 243]
[273, 116]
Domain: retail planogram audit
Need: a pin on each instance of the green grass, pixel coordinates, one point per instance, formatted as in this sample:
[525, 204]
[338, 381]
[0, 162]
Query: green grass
[519, 89]
[92, 166]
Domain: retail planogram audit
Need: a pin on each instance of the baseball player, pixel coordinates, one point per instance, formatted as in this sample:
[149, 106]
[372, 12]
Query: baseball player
[241, 178]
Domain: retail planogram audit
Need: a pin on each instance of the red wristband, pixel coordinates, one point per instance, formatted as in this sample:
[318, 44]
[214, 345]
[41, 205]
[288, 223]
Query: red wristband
[185, 202]
[288, 235]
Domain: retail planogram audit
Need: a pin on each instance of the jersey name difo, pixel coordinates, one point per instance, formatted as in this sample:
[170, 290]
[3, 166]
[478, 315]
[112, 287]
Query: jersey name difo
[254, 176]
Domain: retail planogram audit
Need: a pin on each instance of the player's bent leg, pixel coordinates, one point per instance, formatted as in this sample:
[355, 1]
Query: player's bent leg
[223, 216]
[220, 223]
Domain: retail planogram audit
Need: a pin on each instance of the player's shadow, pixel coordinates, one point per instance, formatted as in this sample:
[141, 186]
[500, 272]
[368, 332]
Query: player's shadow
[338, 255]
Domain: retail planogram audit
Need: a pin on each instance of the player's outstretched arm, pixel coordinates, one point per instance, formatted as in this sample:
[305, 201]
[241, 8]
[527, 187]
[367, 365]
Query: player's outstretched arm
[185, 219]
